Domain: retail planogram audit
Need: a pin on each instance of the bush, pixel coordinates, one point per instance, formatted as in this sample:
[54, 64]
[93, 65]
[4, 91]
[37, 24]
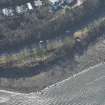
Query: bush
[68, 46]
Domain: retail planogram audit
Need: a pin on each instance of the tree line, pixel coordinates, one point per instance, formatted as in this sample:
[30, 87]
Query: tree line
[41, 25]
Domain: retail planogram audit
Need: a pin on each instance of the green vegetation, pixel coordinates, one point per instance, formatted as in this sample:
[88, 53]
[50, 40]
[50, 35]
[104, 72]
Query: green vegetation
[68, 46]
[26, 57]
[29, 27]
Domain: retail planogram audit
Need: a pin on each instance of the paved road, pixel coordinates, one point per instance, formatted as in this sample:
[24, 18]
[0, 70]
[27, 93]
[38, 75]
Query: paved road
[85, 88]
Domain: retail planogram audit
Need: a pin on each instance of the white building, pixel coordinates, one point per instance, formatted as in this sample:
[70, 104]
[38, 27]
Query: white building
[29, 6]
[8, 11]
[38, 3]
[53, 1]
[19, 9]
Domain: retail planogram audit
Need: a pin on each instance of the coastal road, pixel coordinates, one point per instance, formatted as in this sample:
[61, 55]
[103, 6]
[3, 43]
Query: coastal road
[84, 88]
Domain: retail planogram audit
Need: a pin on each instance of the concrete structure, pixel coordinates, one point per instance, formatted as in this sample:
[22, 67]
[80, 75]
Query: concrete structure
[53, 1]
[8, 11]
[29, 6]
[20, 9]
[61, 1]
[38, 3]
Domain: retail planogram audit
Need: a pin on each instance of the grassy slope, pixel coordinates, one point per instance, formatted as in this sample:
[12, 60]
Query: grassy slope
[25, 57]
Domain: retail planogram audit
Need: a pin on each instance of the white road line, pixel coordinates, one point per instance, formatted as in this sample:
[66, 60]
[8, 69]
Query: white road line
[10, 92]
[75, 75]
[86, 70]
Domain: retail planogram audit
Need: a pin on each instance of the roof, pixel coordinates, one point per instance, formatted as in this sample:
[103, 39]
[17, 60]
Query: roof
[53, 1]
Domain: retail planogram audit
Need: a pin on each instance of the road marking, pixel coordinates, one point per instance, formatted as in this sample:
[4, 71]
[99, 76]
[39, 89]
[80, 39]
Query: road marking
[86, 70]
[10, 92]
[74, 76]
